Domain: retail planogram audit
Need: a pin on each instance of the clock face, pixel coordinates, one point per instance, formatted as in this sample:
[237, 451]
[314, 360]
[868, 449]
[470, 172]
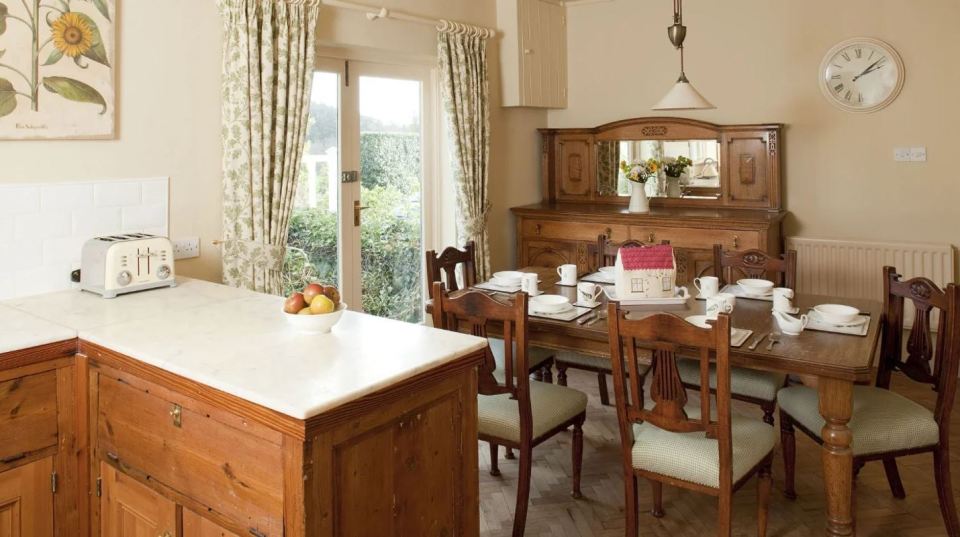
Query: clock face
[861, 75]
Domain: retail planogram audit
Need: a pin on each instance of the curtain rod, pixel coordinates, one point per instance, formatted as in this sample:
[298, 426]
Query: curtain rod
[375, 13]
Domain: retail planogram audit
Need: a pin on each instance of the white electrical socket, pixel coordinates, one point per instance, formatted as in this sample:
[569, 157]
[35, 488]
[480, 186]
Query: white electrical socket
[186, 248]
[918, 154]
[902, 154]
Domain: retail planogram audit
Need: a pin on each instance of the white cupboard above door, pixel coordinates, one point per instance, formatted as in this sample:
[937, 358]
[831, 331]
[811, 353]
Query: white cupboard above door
[534, 53]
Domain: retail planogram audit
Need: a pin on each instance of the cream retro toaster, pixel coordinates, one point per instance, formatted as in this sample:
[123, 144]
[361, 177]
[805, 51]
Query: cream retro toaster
[116, 264]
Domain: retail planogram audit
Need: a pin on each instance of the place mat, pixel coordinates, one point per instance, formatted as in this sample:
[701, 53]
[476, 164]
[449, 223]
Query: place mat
[738, 292]
[598, 277]
[568, 315]
[582, 304]
[490, 286]
[816, 322]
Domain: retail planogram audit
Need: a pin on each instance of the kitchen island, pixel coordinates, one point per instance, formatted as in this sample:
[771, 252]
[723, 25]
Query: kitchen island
[199, 411]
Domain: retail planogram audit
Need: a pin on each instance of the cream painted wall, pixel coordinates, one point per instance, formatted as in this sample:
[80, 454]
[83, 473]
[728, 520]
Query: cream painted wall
[168, 122]
[514, 148]
[757, 62]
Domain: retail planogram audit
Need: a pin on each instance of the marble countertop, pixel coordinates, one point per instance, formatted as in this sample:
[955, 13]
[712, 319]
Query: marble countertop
[20, 330]
[238, 342]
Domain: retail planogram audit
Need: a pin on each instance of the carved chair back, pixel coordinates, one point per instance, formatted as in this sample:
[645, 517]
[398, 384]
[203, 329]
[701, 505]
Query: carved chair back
[443, 267]
[665, 334]
[929, 360]
[607, 250]
[731, 265]
[473, 311]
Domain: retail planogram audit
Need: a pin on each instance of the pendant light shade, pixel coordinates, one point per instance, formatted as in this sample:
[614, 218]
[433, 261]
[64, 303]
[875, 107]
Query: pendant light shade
[682, 96]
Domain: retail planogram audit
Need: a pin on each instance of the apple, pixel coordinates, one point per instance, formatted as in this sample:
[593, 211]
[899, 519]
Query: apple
[322, 304]
[305, 311]
[295, 303]
[332, 293]
[312, 290]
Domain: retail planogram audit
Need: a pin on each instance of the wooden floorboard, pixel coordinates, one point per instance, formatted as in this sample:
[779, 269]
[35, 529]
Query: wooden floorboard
[600, 513]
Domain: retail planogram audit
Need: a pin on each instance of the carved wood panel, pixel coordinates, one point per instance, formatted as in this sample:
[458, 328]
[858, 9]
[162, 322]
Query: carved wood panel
[575, 168]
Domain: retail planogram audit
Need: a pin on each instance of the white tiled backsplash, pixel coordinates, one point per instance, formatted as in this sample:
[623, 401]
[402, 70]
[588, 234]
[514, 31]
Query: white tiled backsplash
[43, 226]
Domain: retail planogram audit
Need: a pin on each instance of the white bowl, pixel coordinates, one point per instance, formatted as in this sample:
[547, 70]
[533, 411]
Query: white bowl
[837, 313]
[754, 286]
[507, 277]
[549, 303]
[320, 323]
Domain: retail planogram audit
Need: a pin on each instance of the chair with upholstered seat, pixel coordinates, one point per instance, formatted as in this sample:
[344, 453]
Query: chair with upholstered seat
[701, 448]
[606, 256]
[512, 410]
[443, 268]
[749, 385]
[884, 424]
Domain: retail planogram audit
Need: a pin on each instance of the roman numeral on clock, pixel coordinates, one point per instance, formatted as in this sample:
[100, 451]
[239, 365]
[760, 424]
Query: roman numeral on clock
[847, 95]
[859, 52]
[838, 88]
[845, 56]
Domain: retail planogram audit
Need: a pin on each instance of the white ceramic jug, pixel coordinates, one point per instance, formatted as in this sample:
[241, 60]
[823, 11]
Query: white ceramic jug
[790, 325]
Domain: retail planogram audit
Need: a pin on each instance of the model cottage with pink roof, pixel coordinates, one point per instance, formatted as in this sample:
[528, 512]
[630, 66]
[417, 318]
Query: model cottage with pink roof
[646, 272]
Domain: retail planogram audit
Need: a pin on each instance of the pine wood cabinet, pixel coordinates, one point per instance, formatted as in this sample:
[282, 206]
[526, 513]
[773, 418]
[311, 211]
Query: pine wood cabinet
[26, 500]
[195, 525]
[533, 52]
[130, 509]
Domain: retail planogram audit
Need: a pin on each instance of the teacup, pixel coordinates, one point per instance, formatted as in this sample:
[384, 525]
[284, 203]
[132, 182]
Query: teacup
[528, 283]
[588, 292]
[783, 299]
[568, 274]
[720, 303]
[708, 286]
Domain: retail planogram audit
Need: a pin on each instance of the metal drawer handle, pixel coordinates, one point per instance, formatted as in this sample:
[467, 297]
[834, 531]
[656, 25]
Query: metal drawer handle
[736, 241]
[537, 229]
[176, 412]
[12, 458]
[651, 237]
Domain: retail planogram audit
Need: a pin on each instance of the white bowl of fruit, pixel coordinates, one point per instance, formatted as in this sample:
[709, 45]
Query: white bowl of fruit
[314, 310]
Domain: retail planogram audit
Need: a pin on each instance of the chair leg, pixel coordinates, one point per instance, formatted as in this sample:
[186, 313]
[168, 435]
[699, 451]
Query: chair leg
[538, 375]
[764, 484]
[523, 492]
[657, 510]
[602, 386]
[494, 462]
[788, 442]
[561, 374]
[630, 503]
[577, 458]
[941, 466]
[893, 477]
[768, 410]
[725, 514]
[508, 453]
[547, 372]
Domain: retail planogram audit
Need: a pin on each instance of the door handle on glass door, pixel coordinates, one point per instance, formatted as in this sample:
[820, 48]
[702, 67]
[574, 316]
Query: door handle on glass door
[356, 212]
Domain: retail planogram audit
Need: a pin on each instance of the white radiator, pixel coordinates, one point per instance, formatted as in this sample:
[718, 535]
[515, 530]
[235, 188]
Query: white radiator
[853, 269]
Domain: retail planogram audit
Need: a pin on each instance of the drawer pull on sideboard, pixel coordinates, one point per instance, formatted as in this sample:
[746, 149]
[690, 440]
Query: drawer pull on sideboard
[736, 242]
[651, 238]
[176, 412]
[13, 458]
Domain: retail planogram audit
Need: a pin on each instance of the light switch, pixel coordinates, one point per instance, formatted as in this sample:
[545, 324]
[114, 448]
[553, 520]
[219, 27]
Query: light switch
[901, 154]
[918, 154]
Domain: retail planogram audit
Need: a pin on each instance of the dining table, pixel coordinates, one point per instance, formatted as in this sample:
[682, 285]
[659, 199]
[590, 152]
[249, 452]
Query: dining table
[836, 361]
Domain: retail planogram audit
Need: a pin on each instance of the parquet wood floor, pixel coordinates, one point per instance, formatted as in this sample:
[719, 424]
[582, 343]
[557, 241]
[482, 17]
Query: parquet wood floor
[600, 513]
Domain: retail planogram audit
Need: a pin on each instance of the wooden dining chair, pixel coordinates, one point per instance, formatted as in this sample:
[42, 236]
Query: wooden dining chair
[884, 424]
[749, 385]
[443, 268]
[600, 365]
[698, 447]
[515, 412]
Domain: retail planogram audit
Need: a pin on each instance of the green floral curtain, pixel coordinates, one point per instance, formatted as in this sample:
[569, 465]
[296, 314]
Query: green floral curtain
[462, 56]
[267, 71]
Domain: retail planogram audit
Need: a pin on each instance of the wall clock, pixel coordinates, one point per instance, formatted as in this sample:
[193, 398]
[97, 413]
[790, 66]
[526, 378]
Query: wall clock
[861, 75]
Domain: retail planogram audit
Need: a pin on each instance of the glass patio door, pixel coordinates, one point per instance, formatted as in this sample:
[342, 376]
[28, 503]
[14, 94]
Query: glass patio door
[360, 212]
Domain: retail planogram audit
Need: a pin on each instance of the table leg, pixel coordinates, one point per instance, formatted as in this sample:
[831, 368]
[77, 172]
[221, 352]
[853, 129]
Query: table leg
[836, 402]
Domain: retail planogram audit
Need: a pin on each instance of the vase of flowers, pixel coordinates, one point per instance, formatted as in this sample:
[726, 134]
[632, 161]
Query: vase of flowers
[673, 168]
[638, 173]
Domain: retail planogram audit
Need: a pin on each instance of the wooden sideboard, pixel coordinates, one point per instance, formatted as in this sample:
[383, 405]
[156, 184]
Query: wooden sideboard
[553, 234]
[745, 212]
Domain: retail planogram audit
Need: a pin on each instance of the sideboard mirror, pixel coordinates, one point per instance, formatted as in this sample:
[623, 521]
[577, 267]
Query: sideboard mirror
[736, 166]
[699, 180]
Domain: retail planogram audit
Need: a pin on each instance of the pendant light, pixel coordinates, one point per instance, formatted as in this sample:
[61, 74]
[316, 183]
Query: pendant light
[682, 96]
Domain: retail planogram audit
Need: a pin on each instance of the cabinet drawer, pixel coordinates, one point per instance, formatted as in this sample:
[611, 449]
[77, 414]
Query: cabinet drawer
[572, 231]
[28, 415]
[696, 237]
[168, 438]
